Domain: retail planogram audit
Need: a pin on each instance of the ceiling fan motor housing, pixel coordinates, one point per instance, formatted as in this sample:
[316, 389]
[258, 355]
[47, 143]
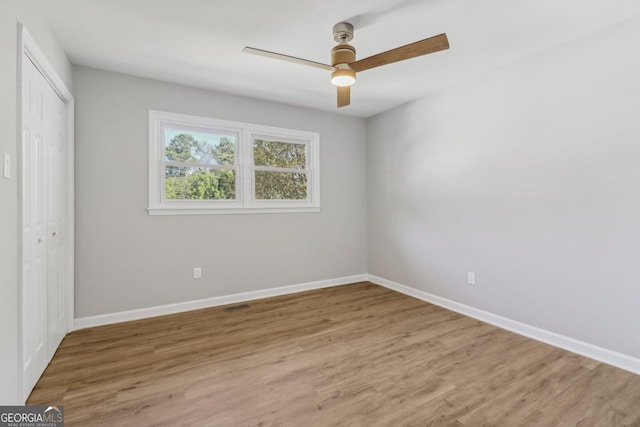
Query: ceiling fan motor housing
[343, 54]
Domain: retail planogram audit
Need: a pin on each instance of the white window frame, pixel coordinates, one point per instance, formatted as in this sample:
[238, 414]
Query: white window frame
[244, 166]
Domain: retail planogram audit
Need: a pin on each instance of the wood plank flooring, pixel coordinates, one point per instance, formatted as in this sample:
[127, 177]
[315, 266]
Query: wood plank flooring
[355, 355]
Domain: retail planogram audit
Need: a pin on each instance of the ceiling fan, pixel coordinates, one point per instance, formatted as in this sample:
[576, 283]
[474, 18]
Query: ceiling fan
[343, 58]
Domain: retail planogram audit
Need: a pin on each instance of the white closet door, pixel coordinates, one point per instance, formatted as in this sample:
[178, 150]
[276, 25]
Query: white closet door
[56, 227]
[34, 223]
[45, 243]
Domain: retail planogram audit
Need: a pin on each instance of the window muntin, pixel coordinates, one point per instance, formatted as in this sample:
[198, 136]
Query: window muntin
[199, 165]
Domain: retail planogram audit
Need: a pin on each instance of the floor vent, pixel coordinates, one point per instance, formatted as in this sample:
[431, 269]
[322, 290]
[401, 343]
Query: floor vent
[237, 307]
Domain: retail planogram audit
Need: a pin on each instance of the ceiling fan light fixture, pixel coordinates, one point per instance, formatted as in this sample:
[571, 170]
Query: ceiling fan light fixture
[343, 77]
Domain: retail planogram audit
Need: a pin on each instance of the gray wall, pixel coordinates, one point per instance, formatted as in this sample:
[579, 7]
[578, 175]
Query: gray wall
[126, 259]
[12, 12]
[530, 178]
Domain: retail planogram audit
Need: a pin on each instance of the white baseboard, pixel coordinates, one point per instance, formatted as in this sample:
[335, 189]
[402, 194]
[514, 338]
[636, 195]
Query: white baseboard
[143, 313]
[600, 354]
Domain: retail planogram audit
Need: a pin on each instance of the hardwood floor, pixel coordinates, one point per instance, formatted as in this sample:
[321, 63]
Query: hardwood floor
[355, 355]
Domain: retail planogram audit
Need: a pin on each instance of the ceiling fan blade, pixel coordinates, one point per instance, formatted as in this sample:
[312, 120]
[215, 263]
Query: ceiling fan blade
[422, 47]
[344, 96]
[282, 57]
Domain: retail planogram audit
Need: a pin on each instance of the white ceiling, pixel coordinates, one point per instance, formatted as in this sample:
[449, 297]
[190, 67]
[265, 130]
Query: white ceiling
[199, 42]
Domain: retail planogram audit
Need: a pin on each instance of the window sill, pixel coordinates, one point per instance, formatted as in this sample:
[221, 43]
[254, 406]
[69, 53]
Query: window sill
[230, 211]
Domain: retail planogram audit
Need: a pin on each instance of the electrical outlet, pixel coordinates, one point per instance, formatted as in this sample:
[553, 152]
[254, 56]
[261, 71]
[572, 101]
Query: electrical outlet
[471, 278]
[197, 273]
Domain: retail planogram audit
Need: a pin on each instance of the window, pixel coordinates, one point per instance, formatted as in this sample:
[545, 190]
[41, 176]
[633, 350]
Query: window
[199, 165]
[280, 169]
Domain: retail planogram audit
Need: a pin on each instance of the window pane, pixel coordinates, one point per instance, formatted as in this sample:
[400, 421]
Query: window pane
[281, 185]
[194, 147]
[199, 184]
[279, 154]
